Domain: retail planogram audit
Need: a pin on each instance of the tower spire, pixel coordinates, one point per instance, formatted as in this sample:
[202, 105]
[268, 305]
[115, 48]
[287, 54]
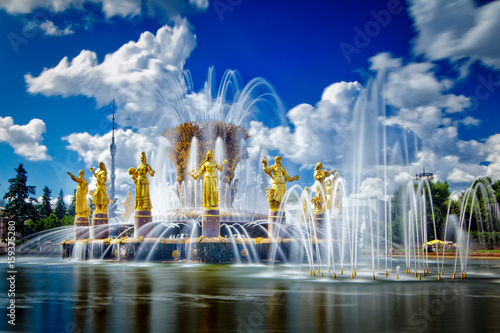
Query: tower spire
[112, 150]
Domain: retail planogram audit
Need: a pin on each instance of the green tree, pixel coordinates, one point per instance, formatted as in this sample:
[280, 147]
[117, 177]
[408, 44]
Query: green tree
[51, 222]
[496, 189]
[67, 220]
[72, 206]
[35, 226]
[440, 198]
[45, 208]
[61, 208]
[19, 207]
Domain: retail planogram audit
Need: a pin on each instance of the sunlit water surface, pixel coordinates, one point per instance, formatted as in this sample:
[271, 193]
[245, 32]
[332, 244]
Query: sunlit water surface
[61, 296]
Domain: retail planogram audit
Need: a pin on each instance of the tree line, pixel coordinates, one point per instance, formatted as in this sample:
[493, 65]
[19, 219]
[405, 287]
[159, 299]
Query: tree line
[29, 215]
[477, 210]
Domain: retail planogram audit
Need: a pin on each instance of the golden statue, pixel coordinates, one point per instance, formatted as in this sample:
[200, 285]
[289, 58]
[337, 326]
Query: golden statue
[321, 192]
[140, 177]
[82, 208]
[278, 174]
[337, 198]
[129, 207]
[210, 188]
[305, 206]
[99, 196]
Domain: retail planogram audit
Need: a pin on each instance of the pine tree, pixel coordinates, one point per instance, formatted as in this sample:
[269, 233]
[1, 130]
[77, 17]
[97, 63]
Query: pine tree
[72, 206]
[45, 208]
[61, 208]
[19, 207]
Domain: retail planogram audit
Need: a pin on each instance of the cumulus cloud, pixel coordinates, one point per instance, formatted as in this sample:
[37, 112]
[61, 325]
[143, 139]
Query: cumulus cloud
[137, 75]
[415, 84]
[459, 176]
[345, 126]
[25, 139]
[457, 30]
[93, 149]
[319, 131]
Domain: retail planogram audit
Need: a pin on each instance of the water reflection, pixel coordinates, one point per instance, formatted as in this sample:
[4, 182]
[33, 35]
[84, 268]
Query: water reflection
[97, 297]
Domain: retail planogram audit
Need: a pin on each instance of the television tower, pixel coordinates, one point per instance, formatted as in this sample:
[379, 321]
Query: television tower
[112, 149]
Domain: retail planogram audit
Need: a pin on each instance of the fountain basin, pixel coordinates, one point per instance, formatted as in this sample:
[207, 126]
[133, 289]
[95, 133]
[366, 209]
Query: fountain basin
[201, 249]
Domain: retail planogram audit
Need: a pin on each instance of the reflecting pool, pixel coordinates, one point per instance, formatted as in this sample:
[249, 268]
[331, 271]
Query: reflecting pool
[62, 296]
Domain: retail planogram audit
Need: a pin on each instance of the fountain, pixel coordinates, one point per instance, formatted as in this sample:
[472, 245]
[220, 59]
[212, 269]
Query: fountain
[323, 236]
[332, 230]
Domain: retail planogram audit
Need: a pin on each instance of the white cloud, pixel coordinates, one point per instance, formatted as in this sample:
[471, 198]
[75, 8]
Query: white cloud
[470, 121]
[123, 8]
[53, 201]
[319, 132]
[201, 4]
[50, 29]
[460, 176]
[28, 6]
[25, 139]
[383, 61]
[415, 84]
[93, 149]
[444, 167]
[136, 75]
[334, 131]
[456, 30]
[372, 187]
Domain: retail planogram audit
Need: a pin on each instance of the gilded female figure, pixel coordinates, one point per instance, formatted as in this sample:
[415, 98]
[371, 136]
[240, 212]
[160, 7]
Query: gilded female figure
[82, 208]
[129, 207]
[321, 192]
[210, 188]
[279, 176]
[140, 177]
[99, 196]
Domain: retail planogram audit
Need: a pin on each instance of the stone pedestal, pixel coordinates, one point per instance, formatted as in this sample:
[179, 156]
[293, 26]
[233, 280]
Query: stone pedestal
[100, 226]
[82, 228]
[210, 223]
[319, 223]
[276, 217]
[142, 223]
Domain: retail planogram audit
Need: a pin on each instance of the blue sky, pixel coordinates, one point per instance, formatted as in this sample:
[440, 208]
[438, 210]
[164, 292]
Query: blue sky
[440, 64]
